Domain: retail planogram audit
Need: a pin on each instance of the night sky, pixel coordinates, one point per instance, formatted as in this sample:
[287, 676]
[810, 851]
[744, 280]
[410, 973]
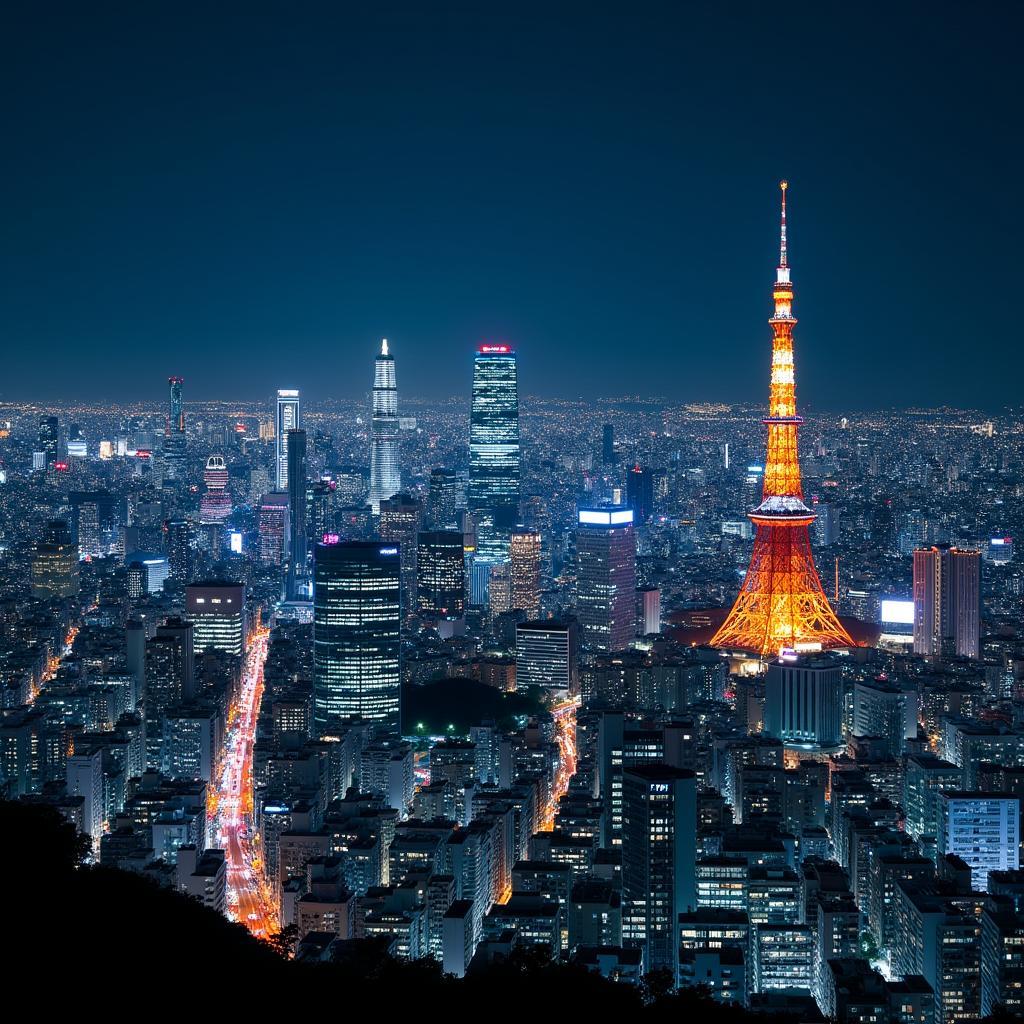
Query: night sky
[252, 200]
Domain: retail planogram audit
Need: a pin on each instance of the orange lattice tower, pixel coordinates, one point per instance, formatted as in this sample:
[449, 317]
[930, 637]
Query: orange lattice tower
[781, 603]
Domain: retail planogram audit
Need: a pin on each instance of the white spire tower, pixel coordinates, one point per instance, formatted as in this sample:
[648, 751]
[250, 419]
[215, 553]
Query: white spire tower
[385, 477]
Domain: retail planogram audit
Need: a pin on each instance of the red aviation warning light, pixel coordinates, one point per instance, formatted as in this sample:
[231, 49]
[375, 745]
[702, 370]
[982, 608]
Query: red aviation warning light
[781, 604]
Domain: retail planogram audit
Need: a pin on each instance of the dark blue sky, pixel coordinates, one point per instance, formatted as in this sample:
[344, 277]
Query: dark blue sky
[252, 199]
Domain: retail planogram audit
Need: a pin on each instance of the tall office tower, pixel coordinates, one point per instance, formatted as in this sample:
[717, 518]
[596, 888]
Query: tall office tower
[174, 431]
[298, 554]
[983, 829]
[499, 587]
[178, 547]
[781, 603]
[803, 703]
[385, 475]
[493, 496]
[215, 504]
[289, 417]
[524, 567]
[55, 564]
[217, 612]
[606, 578]
[608, 445]
[90, 536]
[546, 655]
[401, 519]
[947, 601]
[169, 681]
[659, 822]
[441, 574]
[320, 505]
[650, 610]
[356, 635]
[135, 580]
[640, 493]
[49, 439]
[444, 500]
[274, 528]
[823, 530]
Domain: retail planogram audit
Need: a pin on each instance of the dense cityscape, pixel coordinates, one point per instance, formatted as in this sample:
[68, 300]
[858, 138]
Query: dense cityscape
[512, 508]
[461, 678]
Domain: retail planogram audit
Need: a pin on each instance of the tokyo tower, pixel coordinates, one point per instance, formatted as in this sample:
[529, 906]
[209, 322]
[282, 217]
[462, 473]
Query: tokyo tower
[781, 603]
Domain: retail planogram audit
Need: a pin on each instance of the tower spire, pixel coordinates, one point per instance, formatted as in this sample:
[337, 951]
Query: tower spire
[384, 346]
[783, 185]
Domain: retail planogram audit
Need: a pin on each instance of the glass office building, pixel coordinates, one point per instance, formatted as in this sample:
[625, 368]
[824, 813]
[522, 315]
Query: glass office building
[356, 643]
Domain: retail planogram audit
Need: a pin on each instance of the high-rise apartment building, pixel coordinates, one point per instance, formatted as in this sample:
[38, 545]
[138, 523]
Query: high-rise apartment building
[493, 495]
[385, 475]
[947, 601]
[289, 417]
[356, 634]
[606, 577]
[983, 829]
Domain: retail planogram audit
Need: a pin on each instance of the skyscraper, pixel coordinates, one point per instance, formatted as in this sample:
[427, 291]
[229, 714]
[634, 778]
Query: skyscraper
[494, 450]
[606, 577]
[441, 574]
[385, 476]
[781, 603]
[659, 812]
[49, 439]
[401, 519]
[174, 432]
[289, 417]
[947, 601]
[524, 567]
[640, 493]
[55, 565]
[274, 528]
[178, 546]
[356, 641]
[297, 483]
[215, 505]
[444, 500]
[608, 445]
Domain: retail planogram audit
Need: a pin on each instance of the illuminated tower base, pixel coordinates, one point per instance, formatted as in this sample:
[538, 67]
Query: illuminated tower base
[781, 603]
